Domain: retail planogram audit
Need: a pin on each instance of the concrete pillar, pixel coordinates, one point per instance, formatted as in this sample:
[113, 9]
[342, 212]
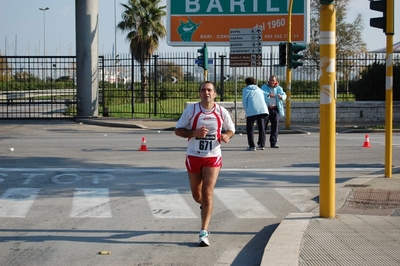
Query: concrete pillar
[87, 22]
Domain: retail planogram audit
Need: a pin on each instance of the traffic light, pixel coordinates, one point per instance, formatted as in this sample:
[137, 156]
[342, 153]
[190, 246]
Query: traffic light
[282, 54]
[203, 57]
[294, 49]
[378, 22]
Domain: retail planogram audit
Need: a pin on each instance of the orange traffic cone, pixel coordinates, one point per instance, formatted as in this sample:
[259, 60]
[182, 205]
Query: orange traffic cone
[366, 142]
[143, 147]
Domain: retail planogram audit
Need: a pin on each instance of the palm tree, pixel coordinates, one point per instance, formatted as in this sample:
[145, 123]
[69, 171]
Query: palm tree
[143, 21]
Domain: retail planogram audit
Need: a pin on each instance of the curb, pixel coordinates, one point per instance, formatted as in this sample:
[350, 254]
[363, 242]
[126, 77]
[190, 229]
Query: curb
[239, 128]
[283, 247]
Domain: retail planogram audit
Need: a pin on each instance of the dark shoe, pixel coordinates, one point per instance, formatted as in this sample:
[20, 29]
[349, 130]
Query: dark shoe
[261, 148]
[275, 146]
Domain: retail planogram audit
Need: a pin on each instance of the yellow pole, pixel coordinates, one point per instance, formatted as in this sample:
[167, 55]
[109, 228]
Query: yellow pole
[389, 87]
[288, 70]
[327, 109]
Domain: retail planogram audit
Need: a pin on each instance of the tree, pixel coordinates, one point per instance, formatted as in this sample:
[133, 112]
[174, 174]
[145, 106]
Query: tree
[168, 71]
[5, 69]
[23, 76]
[349, 41]
[143, 21]
[348, 35]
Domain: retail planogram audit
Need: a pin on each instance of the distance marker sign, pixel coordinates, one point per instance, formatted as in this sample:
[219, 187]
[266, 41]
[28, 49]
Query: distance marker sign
[195, 22]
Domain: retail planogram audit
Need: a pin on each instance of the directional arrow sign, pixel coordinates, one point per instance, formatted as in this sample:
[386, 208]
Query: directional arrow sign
[238, 45]
[246, 51]
[245, 38]
[245, 63]
[236, 57]
[246, 47]
[246, 31]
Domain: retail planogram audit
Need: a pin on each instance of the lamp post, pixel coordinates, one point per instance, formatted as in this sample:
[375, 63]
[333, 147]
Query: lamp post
[115, 42]
[44, 29]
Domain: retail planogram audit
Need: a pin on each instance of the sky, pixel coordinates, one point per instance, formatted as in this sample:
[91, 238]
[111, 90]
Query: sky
[25, 28]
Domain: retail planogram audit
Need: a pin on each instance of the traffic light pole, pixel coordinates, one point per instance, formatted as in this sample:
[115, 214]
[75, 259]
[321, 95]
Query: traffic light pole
[386, 23]
[288, 69]
[389, 87]
[389, 106]
[327, 109]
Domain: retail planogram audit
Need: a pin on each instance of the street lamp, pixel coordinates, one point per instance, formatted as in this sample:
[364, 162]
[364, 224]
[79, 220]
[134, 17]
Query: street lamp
[115, 42]
[44, 29]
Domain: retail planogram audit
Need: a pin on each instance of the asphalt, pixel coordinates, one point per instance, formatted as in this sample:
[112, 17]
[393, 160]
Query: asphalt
[364, 231]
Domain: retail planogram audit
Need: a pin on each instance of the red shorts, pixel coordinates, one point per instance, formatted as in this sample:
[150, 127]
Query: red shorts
[194, 164]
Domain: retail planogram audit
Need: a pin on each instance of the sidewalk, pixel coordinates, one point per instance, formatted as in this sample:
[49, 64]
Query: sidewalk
[365, 231]
[168, 124]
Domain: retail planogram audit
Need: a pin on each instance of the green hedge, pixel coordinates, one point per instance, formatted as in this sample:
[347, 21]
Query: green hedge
[372, 83]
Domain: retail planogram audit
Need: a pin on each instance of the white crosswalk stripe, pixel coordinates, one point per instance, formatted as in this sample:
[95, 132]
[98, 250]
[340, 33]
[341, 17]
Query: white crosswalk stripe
[301, 198]
[168, 203]
[91, 202]
[242, 204]
[16, 202]
[163, 203]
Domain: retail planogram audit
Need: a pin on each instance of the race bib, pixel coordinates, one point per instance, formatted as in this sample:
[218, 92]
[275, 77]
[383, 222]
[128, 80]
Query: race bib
[205, 145]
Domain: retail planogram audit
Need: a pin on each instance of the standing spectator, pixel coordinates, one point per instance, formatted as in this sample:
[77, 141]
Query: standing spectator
[256, 110]
[202, 125]
[274, 97]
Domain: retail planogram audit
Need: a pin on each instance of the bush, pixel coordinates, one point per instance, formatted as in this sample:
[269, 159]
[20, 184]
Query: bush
[372, 84]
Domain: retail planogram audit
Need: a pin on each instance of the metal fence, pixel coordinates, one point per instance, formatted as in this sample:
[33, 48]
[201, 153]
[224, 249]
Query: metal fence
[37, 87]
[45, 87]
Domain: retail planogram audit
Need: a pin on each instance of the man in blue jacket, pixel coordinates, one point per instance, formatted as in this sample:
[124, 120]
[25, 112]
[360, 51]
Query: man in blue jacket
[256, 110]
[274, 97]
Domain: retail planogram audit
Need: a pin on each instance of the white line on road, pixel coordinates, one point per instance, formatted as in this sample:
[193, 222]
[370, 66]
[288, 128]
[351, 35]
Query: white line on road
[16, 202]
[91, 202]
[168, 203]
[242, 204]
[164, 170]
[301, 198]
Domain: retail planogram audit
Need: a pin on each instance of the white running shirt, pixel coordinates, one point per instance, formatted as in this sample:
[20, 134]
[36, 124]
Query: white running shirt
[195, 116]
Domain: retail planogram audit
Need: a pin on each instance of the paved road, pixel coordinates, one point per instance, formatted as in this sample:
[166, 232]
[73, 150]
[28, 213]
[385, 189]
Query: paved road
[68, 191]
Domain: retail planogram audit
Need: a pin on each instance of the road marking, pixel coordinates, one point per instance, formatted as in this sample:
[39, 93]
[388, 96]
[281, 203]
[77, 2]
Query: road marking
[242, 204]
[168, 203]
[16, 202]
[91, 202]
[230, 253]
[163, 170]
[301, 198]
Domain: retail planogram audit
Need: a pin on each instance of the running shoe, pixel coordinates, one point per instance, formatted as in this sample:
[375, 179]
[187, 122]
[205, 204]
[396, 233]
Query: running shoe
[203, 238]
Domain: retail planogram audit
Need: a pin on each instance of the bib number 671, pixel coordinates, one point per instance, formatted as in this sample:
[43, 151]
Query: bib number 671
[205, 145]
